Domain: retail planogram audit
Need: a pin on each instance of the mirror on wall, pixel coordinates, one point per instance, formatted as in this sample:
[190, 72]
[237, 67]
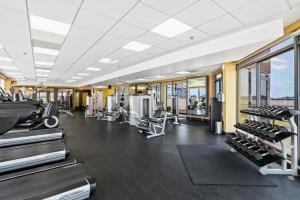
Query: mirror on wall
[197, 96]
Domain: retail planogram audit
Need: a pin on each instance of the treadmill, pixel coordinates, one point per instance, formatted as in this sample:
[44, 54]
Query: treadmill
[24, 156]
[27, 137]
[64, 180]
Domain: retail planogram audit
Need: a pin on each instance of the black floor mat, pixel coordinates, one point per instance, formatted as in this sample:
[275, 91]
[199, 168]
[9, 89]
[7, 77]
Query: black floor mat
[214, 165]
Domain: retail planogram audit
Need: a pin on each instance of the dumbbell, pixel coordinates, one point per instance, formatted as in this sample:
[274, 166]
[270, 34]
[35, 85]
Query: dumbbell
[277, 130]
[262, 152]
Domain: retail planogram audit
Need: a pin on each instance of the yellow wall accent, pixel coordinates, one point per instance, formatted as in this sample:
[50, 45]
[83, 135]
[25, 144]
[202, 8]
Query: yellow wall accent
[229, 89]
[7, 84]
[107, 92]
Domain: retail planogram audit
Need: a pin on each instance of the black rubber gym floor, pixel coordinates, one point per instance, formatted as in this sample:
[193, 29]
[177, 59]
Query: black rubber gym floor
[127, 166]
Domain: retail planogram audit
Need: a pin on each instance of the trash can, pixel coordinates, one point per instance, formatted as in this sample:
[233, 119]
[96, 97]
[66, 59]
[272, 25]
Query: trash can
[219, 128]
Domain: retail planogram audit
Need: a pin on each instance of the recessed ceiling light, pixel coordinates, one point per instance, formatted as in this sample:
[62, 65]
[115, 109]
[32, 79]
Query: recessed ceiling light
[69, 81]
[42, 75]
[159, 76]
[141, 79]
[8, 68]
[44, 63]
[93, 69]
[183, 72]
[49, 25]
[128, 81]
[83, 74]
[119, 83]
[171, 27]
[42, 70]
[14, 73]
[136, 46]
[6, 59]
[45, 51]
[76, 77]
[108, 60]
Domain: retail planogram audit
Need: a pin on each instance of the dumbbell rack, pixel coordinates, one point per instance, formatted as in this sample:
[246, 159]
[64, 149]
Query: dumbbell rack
[270, 167]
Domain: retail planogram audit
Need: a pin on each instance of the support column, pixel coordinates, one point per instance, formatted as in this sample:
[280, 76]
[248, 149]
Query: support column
[229, 105]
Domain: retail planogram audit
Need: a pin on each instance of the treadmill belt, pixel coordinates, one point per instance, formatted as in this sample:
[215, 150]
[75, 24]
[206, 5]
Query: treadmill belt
[31, 133]
[13, 153]
[214, 165]
[24, 156]
[44, 183]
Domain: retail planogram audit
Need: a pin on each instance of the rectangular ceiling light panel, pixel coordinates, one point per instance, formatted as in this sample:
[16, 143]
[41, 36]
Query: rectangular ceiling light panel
[44, 63]
[42, 75]
[6, 59]
[93, 69]
[49, 25]
[136, 46]
[76, 77]
[45, 51]
[8, 68]
[43, 70]
[83, 74]
[171, 28]
[108, 60]
[183, 72]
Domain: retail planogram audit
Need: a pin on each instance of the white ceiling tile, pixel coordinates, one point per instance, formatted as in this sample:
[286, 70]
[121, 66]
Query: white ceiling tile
[260, 10]
[47, 37]
[127, 31]
[5, 63]
[44, 57]
[54, 10]
[155, 51]
[111, 8]
[84, 34]
[294, 2]
[221, 25]
[93, 21]
[191, 36]
[231, 5]
[72, 2]
[3, 53]
[145, 17]
[170, 44]
[121, 54]
[151, 38]
[169, 7]
[14, 4]
[200, 13]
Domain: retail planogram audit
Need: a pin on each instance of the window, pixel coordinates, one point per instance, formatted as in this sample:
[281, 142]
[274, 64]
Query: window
[42, 96]
[197, 96]
[247, 89]
[277, 80]
[156, 92]
[180, 93]
[2, 83]
[169, 94]
[218, 84]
